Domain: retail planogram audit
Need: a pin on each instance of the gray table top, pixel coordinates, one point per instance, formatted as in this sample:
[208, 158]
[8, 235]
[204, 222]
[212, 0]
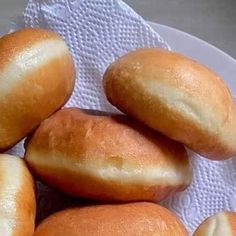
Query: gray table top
[211, 20]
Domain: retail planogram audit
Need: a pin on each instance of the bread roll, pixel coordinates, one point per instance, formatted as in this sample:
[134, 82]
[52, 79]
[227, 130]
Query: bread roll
[132, 219]
[176, 96]
[36, 78]
[17, 197]
[220, 224]
[106, 158]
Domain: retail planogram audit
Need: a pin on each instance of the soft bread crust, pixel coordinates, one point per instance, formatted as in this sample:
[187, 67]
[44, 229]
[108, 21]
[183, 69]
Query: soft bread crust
[37, 77]
[17, 197]
[106, 158]
[176, 96]
[220, 224]
[132, 219]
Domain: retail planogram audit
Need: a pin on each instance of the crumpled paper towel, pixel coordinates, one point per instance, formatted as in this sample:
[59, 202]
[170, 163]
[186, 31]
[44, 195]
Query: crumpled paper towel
[97, 32]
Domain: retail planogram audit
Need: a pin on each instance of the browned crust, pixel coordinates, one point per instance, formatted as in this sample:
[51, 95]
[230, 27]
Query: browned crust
[13, 43]
[231, 216]
[25, 211]
[128, 219]
[104, 142]
[218, 223]
[124, 90]
[91, 187]
[26, 205]
[39, 94]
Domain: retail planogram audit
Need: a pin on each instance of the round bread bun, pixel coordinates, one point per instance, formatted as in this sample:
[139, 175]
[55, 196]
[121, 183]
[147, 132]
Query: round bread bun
[131, 219]
[220, 224]
[37, 77]
[176, 96]
[107, 158]
[17, 197]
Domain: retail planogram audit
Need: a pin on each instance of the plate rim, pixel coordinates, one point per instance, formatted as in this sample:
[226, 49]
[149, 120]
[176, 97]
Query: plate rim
[151, 23]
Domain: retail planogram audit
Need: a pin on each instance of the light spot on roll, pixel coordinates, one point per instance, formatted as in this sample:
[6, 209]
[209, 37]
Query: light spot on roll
[219, 226]
[10, 185]
[159, 175]
[28, 60]
[216, 225]
[114, 162]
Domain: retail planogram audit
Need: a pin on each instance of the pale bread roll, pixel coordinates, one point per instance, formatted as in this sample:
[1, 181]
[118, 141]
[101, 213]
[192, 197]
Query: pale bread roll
[176, 96]
[106, 158]
[17, 197]
[37, 77]
[134, 219]
[220, 224]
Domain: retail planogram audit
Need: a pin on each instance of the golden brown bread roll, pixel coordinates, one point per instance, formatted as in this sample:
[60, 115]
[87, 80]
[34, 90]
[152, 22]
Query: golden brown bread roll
[36, 78]
[220, 224]
[176, 96]
[17, 197]
[106, 158]
[132, 219]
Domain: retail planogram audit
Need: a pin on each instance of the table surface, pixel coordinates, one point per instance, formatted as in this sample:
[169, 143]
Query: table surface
[211, 20]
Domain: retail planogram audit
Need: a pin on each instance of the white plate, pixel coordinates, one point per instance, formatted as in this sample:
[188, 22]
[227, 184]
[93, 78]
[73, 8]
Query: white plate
[195, 48]
[207, 54]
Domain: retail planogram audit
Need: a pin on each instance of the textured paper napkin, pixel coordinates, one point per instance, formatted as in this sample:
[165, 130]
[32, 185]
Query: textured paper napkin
[97, 32]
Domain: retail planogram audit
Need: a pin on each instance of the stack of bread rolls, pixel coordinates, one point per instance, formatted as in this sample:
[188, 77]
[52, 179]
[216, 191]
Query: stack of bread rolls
[124, 160]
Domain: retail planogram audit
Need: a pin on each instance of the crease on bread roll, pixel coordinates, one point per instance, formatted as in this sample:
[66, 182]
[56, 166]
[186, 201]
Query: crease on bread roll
[106, 158]
[176, 96]
[117, 220]
[37, 77]
[220, 224]
[17, 197]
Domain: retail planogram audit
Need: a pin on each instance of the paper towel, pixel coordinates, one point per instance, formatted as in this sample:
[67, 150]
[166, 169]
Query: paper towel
[97, 32]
